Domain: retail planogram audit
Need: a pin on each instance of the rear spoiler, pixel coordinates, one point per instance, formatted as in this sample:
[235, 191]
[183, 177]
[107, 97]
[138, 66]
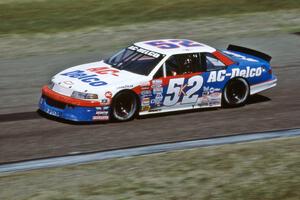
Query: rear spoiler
[252, 52]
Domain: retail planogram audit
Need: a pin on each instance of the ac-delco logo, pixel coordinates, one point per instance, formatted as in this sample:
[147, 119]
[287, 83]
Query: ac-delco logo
[81, 75]
[104, 70]
[219, 76]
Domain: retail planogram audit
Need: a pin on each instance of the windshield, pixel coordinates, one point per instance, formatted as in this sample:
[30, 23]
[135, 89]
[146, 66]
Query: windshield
[135, 59]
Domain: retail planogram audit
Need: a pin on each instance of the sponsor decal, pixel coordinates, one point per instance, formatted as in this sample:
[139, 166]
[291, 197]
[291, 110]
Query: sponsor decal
[157, 100]
[145, 88]
[125, 87]
[53, 112]
[219, 76]
[108, 94]
[144, 51]
[157, 82]
[105, 107]
[68, 82]
[158, 90]
[146, 93]
[82, 76]
[103, 113]
[209, 90]
[104, 71]
[105, 101]
[145, 84]
[215, 99]
[203, 101]
[145, 108]
[215, 95]
[157, 86]
[145, 101]
[100, 117]
[159, 97]
[210, 97]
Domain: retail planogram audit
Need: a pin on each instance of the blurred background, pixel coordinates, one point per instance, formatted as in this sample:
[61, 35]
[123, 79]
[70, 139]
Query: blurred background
[38, 38]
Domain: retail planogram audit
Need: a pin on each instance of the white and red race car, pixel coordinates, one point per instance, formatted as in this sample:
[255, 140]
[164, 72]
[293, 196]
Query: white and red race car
[157, 76]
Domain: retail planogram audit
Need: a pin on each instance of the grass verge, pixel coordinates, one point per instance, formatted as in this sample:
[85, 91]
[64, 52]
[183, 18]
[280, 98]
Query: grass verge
[49, 16]
[107, 39]
[258, 170]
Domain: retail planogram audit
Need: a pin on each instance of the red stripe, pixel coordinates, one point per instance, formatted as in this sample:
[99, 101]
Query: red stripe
[68, 100]
[227, 61]
[167, 79]
[137, 89]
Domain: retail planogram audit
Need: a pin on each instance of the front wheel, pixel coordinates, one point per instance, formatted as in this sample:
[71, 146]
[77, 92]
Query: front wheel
[236, 92]
[124, 106]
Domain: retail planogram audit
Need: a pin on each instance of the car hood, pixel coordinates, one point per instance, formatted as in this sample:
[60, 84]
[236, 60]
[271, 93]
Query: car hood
[96, 77]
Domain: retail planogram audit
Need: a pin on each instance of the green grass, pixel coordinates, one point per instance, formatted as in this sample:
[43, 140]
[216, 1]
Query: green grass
[264, 170]
[65, 15]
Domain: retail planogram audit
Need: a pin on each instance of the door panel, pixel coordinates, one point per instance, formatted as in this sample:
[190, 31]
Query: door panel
[189, 81]
[185, 91]
[177, 91]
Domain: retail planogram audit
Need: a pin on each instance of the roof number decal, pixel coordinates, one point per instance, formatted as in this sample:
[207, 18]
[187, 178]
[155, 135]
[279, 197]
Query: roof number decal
[173, 44]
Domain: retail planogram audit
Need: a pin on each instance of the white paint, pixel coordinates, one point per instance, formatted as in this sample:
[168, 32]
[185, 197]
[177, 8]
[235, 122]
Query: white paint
[262, 86]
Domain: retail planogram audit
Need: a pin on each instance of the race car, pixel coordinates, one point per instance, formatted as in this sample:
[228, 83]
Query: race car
[157, 76]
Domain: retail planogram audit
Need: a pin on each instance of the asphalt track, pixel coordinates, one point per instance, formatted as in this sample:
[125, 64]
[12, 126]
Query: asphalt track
[159, 148]
[26, 135]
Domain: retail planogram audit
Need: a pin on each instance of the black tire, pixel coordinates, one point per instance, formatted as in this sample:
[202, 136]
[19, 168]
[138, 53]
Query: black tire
[236, 93]
[124, 106]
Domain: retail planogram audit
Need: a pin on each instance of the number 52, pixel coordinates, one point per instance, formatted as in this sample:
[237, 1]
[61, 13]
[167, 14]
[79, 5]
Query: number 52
[176, 87]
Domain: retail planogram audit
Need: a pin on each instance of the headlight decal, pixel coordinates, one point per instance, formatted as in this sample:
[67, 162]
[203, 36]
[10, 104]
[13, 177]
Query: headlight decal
[82, 95]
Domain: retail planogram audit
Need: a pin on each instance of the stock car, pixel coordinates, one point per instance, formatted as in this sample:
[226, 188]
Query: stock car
[157, 76]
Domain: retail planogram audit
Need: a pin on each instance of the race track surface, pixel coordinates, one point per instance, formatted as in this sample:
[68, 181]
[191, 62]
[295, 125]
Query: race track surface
[24, 134]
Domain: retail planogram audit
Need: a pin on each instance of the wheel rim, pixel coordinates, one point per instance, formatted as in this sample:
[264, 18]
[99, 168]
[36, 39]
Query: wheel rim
[237, 92]
[125, 106]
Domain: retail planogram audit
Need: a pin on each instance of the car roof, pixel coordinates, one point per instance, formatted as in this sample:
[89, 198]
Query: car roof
[178, 46]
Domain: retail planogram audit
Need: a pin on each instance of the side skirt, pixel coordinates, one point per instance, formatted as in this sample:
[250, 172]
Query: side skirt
[262, 86]
[164, 110]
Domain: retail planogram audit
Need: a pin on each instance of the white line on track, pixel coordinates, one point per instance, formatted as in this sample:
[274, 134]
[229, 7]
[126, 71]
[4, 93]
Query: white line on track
[92, 157]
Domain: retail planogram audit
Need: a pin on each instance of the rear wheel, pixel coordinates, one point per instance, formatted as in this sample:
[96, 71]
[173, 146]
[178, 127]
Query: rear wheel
[236, 92]
[124, 106]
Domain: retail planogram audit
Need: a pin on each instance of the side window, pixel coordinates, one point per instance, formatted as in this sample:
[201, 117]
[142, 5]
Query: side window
[183, 64]
[172, 66]
[211, 63]
[159, 73]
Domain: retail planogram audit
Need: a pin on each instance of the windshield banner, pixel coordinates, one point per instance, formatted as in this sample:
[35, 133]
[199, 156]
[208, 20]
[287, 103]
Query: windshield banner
[144, 51]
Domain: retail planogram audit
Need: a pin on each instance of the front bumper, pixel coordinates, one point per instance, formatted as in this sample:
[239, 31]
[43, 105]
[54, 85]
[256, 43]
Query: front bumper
[72, 109]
